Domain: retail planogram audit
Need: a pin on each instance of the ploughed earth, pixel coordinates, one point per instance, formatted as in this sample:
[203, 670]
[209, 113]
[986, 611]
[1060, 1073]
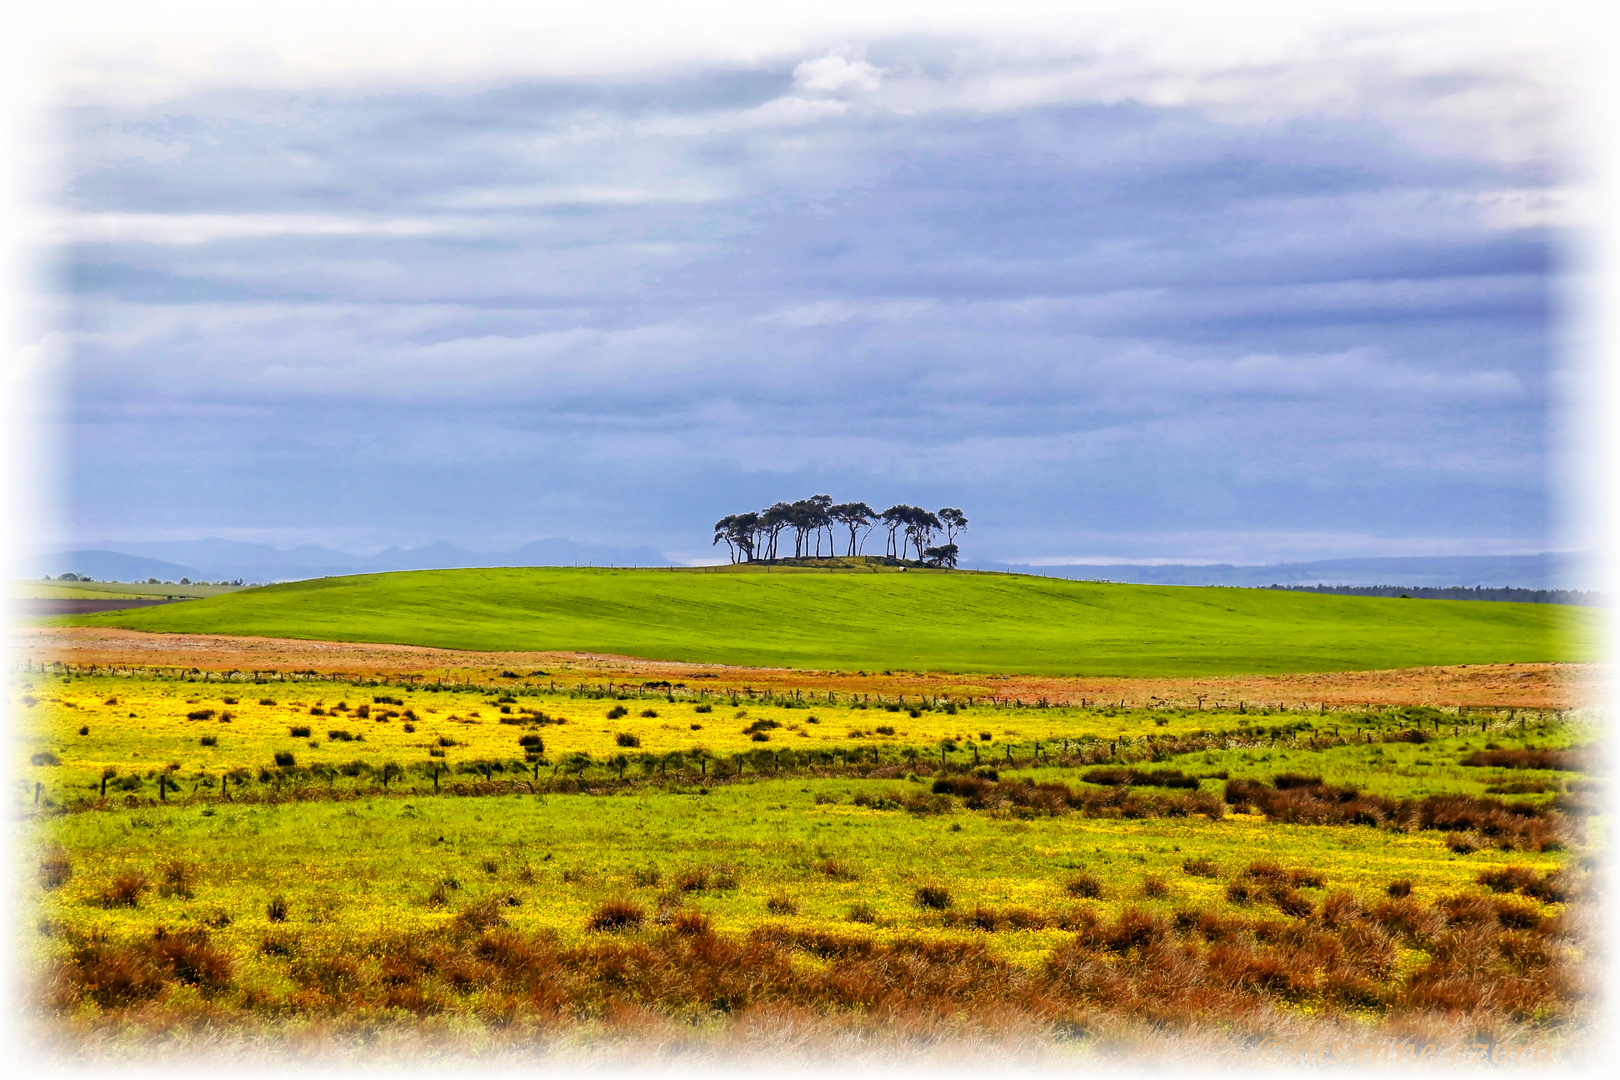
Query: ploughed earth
[1535, 686]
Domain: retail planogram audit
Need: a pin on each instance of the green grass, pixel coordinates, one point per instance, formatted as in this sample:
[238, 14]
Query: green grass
[112, 590]
[931, 621]
[137, 725]
[350, 870]
[313, 902]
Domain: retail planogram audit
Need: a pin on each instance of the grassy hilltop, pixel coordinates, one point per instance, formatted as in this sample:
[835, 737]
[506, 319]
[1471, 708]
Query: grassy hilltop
[853, 618]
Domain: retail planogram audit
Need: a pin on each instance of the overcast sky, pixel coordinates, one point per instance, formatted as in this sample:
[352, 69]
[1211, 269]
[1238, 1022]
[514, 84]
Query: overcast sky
[1113, 304]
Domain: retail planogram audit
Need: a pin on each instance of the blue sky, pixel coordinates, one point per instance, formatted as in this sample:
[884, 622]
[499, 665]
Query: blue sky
[614, 306]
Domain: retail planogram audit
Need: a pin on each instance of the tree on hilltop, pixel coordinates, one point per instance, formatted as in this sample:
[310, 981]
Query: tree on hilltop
[858, 518]
[920, 528]
[909, 529]
[740, 533]
[893, 519]
[772, 522]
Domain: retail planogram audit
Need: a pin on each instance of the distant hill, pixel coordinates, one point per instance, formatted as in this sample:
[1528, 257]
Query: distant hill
[1548, 570]
[915, 621]
[1509, 594]
[226, 560]
[111, 566]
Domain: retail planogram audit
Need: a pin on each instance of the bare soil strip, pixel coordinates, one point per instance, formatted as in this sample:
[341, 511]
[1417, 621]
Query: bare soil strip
[1533, 686]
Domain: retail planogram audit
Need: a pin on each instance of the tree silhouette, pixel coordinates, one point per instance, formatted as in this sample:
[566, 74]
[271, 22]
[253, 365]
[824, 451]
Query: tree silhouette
[722, 531]
[893, 518]
[773, 520]
[920, 528]
[858, 518]
[909, 529]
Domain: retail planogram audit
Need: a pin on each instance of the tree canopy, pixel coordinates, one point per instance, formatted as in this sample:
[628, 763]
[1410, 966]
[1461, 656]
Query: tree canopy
[760, 535]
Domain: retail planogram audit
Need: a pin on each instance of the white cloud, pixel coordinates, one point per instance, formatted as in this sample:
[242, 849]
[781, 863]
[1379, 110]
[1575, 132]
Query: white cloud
[206, 228]
[678, 190]
[830, 74]
[1493, 76]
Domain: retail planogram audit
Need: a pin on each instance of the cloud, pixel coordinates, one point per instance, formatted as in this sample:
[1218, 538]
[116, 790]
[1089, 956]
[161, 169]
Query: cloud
[831, 74]
[1053, 285]
[206, 228]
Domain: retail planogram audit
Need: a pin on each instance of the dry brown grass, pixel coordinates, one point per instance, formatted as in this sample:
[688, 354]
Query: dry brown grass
[619, 914]
[55, 869]
[125, 890]
[1496, 961]
[1510, 826]
[1575, 758]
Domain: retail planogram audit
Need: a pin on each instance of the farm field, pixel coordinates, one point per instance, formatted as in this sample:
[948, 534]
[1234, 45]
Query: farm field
[522, 809]
[917, 621]
[197, 732]
[636, 874]
[113, 590]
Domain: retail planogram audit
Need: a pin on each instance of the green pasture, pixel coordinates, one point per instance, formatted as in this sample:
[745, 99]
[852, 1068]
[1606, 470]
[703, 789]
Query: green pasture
[113, 590]
[917, 620]
[351, 871]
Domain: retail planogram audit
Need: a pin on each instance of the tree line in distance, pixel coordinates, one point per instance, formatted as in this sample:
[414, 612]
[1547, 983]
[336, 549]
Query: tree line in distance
[756, 536]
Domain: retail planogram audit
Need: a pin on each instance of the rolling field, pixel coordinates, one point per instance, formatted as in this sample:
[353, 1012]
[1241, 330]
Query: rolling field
[113, 590]
[835, 870]
[521, 864]
[509, 859]
[919, 621]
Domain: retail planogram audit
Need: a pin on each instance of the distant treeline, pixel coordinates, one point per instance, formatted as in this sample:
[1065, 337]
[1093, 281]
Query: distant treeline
[755, 535]
[1579, 597]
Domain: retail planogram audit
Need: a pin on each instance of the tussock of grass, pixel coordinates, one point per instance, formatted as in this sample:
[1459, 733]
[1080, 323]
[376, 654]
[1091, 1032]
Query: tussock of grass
[1085, 886]
[616, 915]
[1563, 760]
[1495, 961]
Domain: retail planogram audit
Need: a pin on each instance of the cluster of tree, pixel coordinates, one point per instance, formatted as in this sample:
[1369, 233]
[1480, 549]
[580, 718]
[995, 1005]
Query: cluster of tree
[909, 531]
[149, 581]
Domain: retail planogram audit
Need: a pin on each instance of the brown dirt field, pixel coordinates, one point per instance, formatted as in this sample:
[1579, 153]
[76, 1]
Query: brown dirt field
[1534, 686]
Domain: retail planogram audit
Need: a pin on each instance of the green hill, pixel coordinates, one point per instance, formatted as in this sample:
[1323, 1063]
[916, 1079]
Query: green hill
[932, 621]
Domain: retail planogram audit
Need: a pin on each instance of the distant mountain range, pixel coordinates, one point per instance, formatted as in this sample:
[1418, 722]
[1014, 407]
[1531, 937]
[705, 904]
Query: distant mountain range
[227, 560]
[1549, 570]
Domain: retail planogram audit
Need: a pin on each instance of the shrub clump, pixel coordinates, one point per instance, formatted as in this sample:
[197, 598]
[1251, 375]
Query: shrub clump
[1084, 886]
[836, 870]
[1570, 760]
[617, 915]
[1520, 825]
[125, 890]
[54, 870]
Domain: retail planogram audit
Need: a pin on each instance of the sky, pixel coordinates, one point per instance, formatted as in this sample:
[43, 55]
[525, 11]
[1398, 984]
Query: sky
[1132, 291]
